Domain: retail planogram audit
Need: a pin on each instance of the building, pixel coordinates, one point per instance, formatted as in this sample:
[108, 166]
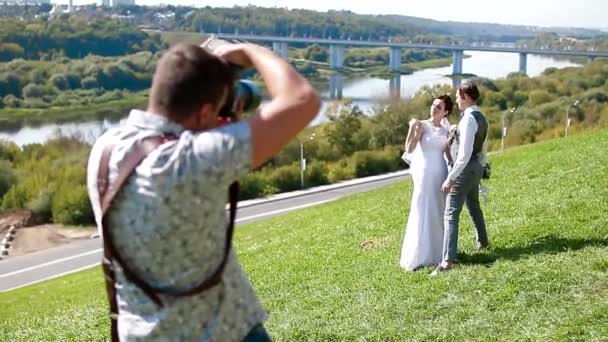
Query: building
[112, 3]
[24, 2]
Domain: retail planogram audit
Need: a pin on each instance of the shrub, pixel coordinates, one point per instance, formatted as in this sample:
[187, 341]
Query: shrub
[90, 83]
[7, 177]
[252, 185]
[286, 178]
[71, 205]
[33, 91]
[369, 163]
[60, 81]
[316, 174]
[41, 207]
[340, 171]
[538, 97]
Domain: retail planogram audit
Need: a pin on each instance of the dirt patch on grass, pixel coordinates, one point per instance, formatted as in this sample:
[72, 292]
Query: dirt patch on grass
[30, 237]
[36, 238]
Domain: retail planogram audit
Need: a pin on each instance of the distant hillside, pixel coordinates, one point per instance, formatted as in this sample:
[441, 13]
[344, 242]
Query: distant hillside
[489, 31]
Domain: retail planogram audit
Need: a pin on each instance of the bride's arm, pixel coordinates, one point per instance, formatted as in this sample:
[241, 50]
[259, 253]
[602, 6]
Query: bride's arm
[448, 155]
[413, 136]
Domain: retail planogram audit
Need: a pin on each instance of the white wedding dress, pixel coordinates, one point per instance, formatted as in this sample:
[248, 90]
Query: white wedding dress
[423, 241]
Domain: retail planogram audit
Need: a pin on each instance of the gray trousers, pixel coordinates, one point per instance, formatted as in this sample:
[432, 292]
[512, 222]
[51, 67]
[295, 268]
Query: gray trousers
[465, 190]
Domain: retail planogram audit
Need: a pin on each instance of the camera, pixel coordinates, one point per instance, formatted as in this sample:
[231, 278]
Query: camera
[245, 93]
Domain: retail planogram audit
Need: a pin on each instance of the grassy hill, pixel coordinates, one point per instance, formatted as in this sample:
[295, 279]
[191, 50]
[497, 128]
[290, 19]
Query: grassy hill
[331, 272]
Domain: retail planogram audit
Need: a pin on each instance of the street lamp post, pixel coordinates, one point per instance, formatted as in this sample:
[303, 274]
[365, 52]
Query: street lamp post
[568, 117]
[302, 160]
[504, 129]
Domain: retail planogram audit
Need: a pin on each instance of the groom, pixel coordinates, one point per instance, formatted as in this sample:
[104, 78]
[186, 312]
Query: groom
[468, 150]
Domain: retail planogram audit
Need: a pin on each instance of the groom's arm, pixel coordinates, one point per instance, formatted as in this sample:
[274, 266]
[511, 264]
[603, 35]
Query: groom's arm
[468, 128]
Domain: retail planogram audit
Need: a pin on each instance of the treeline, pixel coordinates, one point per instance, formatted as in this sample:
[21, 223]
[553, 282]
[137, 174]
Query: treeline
[366, 57]
[297, 22]
[553, 41]
[72, 37]
[335, 24]
[66, 82]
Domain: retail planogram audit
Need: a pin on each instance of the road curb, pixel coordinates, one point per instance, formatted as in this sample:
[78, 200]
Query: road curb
[6, 243]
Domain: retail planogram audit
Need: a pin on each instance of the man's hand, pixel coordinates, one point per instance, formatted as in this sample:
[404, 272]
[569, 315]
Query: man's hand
[447, 185]
[235, 54]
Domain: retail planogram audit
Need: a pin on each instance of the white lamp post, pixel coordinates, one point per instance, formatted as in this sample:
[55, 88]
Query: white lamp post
[302, 160]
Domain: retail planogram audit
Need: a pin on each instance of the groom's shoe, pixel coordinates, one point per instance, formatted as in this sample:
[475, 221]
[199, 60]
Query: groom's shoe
[443, 267]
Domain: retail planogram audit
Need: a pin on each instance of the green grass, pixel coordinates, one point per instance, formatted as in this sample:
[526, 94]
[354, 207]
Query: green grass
[331, 272]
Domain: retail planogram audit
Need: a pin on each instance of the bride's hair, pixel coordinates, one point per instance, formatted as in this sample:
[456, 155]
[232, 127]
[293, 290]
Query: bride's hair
[447, 101]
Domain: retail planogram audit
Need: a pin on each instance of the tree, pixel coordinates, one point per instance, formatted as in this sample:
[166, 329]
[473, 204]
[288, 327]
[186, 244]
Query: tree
[345, 123]
[538, 97]
[9, 51]
[316, 53]
[60, 81]
[10, 84]
[32, 91]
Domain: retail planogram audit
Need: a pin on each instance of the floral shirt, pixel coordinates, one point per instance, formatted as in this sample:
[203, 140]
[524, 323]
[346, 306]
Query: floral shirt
[169, 225]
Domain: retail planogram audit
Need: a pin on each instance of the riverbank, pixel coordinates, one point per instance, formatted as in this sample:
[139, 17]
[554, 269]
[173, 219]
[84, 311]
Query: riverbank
[319, 73]
[15, 118]
[323, 71]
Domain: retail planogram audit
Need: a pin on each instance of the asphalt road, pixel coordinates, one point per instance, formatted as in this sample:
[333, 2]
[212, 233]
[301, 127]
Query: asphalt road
[28, 269]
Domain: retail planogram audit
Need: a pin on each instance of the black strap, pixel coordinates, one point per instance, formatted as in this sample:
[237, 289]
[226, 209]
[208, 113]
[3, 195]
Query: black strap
[107, 193]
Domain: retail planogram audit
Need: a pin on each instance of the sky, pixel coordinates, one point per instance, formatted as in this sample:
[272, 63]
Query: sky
[564, 13]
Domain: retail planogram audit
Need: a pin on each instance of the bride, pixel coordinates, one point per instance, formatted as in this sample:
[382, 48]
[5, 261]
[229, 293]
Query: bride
[426, 143]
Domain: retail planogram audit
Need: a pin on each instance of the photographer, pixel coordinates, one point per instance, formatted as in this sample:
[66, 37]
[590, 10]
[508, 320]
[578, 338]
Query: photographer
[172, 274]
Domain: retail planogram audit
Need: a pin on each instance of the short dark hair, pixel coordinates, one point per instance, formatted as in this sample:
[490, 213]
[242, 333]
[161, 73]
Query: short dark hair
[187, 77]
[470, 89]
[447, 101]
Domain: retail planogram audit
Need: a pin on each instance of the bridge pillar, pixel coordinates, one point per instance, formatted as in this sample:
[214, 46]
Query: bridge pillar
[523, 63]
[336, 56]
[591, 59]
[395, 86]
[395, 59]
[457, 57]
[280, 48]
[336, 85]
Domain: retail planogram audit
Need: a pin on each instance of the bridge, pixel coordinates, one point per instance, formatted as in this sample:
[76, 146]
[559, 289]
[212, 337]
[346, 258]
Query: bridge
[337, 46]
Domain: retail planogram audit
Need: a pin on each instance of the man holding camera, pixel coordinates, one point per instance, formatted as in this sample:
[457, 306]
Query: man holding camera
[159, 187]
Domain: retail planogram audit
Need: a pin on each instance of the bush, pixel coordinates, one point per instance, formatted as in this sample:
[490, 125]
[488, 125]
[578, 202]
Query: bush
[8, 150]
[286, 178]
[252, 185]
[7, 177]
[370, 163]
[90, 83]
[60, 82]
[340, 171]
[41, 207]
[538, 97]
[316, 174]
[32, 90]
[12, 101]
[71, 205]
